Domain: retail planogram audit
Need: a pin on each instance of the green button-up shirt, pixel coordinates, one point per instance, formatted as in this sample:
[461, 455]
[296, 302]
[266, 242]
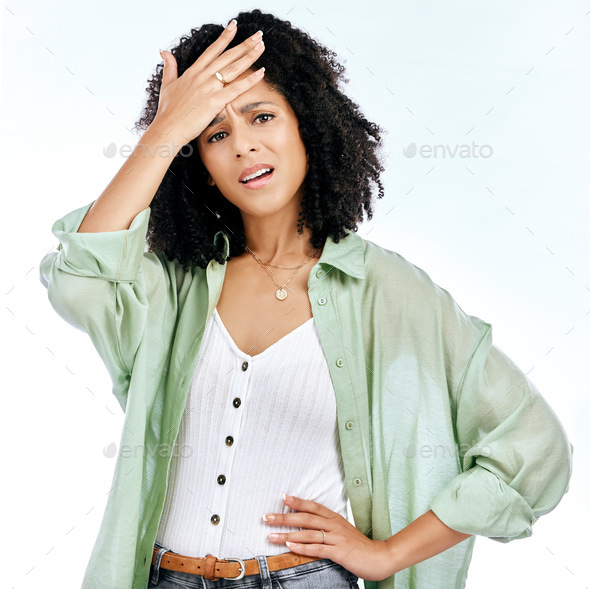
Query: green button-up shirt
[431, 415]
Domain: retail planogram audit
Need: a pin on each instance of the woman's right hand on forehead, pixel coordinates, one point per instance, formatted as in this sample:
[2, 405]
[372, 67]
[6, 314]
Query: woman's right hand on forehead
[188, 104]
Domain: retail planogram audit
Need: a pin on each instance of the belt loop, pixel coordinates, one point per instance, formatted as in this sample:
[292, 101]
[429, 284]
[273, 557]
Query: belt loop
[264, 572]
[156, 566]
[209, 572]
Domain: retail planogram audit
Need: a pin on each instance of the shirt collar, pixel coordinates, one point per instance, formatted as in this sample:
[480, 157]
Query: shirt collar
[348, 255]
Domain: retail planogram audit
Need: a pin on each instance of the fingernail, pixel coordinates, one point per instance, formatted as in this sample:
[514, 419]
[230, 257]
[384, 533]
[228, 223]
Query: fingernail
[268, 517]
[287, 497]
[273, 536]
[232, 24]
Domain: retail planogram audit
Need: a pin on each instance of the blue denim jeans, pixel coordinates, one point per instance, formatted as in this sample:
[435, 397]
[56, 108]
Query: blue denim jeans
[320, 574]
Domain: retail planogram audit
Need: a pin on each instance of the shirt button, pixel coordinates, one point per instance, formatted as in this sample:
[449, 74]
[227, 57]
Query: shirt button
[339, 362]
[244, 366]
[221, 479]
[215, 519]
[349, 425]
[357, 482]
[320, 273]
[322, 301]
[237, 402]
[229, 441]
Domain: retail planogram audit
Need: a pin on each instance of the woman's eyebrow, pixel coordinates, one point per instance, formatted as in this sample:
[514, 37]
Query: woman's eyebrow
[246, 108]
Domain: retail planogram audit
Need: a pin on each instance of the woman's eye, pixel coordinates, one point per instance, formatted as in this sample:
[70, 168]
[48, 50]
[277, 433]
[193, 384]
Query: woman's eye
[265, 114]
[213, 139]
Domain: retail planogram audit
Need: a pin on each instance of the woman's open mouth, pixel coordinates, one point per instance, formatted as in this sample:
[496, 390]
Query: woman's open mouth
[259, 181]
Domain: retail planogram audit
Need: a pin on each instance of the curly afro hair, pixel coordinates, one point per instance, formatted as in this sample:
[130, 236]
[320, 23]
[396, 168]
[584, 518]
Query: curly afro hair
[342, 146]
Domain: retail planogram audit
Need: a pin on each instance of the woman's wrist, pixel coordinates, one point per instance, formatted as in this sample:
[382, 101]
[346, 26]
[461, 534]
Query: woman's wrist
[160, 138]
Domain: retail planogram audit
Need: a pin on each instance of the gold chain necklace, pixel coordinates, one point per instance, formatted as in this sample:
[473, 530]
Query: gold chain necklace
[281, 293]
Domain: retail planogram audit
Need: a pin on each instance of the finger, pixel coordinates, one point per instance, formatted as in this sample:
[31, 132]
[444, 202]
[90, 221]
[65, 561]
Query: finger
[233, 70]
[304, 537]
[321, 550]
[298, 520]
[233, 90]
[309, 506]
[247, 52]
[214, 50]
[170, 72]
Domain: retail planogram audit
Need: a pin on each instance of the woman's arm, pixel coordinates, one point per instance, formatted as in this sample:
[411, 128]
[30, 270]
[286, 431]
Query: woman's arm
[371, 560]
[135, 184]
[516, 458]
[105, 285]
[425, 537]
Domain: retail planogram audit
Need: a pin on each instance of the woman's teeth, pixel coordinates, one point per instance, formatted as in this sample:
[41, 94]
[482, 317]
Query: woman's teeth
[256, 174]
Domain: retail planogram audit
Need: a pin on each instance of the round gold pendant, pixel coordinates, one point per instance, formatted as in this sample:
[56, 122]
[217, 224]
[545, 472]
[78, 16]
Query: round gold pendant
[281, 294]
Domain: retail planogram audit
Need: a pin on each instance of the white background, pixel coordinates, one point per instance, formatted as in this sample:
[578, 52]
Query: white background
[506, 235]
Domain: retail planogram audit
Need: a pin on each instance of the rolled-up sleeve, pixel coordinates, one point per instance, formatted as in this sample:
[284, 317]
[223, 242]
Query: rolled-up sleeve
[102, 283]
[515, 456]
[110, 255]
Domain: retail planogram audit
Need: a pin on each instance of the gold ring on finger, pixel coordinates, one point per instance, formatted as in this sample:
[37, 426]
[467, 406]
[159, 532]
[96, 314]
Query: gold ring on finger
[220, 78]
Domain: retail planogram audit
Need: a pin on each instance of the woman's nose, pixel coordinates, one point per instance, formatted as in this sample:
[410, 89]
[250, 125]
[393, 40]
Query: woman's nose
[243, 140]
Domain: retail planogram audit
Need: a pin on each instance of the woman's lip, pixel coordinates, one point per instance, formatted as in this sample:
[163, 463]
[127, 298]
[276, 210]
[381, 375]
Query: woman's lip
[258, 182]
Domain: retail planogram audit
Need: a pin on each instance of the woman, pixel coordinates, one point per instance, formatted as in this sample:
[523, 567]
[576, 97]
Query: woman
[261, 347]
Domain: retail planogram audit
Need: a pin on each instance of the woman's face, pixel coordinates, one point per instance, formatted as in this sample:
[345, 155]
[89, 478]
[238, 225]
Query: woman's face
[266, 133]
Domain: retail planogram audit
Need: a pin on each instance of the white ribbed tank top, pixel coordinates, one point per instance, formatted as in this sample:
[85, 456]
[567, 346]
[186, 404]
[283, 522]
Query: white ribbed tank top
[254, 427]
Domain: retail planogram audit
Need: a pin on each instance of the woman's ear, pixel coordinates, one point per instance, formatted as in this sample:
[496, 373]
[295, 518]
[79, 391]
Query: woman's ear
[210, 180]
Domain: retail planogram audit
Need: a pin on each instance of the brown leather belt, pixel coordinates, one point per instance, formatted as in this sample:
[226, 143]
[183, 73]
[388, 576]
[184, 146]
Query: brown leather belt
[213, 568]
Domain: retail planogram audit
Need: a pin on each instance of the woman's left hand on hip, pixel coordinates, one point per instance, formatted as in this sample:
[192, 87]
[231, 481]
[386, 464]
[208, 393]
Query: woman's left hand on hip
[345, 544]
